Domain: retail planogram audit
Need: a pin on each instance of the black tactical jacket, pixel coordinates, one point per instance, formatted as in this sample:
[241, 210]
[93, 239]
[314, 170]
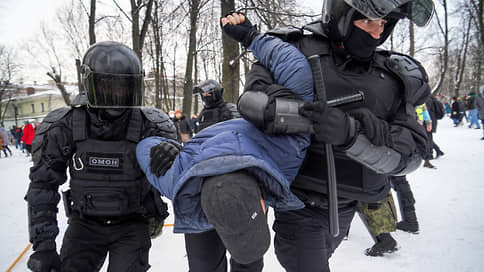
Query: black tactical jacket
[54, 147]
[388, 95]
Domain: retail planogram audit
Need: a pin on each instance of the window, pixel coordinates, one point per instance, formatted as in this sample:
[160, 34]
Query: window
[32, 107]
[42, 107]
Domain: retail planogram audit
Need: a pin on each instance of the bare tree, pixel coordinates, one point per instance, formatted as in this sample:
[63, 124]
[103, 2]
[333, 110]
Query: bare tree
[444, 51]
[47, 46]
[92, 22]
[8, 68]
[461, 59]
[194, 8]
[231, 63]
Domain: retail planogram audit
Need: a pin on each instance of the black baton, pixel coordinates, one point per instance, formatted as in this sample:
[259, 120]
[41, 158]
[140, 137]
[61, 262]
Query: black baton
[320, 89]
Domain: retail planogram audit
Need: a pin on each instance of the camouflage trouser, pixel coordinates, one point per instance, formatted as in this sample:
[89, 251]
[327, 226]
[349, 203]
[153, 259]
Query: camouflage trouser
[380, 217]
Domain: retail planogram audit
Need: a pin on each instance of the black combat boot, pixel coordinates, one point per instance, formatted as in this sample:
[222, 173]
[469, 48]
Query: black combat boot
[385, 244]
[409, 222]
[428, 164]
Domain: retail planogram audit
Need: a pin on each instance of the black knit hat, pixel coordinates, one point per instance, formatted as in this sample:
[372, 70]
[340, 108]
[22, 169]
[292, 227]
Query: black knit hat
[233, 205]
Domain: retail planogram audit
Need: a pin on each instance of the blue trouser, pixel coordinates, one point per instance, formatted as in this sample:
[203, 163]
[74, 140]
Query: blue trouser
[474, 118]
[206, 253]
[303, 242]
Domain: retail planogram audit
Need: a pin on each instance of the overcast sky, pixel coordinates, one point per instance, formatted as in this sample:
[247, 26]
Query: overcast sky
[19, 19]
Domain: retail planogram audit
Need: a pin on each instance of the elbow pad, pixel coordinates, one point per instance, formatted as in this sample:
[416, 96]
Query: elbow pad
[251, 106]
[381, 159]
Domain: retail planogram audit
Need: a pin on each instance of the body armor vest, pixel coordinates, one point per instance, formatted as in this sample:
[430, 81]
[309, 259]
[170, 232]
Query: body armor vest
[381, 89]
[106, 180]
[223, 112]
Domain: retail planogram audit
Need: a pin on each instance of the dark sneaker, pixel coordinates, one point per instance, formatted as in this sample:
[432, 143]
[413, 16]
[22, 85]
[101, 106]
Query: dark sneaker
[411, 227]
[385, 244]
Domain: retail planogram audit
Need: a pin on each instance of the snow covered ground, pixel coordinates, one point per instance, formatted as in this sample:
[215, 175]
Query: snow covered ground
[448, 206]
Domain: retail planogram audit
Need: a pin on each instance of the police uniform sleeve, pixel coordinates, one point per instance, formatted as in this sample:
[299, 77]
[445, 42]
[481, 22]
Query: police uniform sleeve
[156, 123]
[51, 149]
[409, 141]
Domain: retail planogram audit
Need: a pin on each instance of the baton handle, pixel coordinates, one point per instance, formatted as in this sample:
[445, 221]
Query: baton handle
[320, 88]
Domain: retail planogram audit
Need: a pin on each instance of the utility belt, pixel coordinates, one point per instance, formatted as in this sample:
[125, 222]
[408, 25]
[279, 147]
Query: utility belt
[103, 220]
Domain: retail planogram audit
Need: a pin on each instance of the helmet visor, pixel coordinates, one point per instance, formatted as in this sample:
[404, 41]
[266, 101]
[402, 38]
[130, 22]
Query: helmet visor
[114, 90]
[419, 11]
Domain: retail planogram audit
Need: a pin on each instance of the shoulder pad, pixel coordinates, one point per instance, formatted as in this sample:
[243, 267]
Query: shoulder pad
[407, 66]
[57, 114]
[162, 120]
[79, 101]
[286, 33]
[316, 28]
[51, 118]
[413, 76]
[154, 115]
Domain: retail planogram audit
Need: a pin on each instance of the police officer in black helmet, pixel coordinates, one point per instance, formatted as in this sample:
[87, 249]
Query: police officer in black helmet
[215, 109]
[372, 139]
[110, 205]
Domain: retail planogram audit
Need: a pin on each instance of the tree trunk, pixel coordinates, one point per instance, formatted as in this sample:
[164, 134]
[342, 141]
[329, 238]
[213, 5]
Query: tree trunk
[137, 34]
[192, 42]
[412, 39]
[444, 54]
[92, 22]
[231, 67]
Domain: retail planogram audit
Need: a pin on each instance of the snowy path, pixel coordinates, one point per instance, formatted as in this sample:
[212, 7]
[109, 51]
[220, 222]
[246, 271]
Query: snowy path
[448, 207]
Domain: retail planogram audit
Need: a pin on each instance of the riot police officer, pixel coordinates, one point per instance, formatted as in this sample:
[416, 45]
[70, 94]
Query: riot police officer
[373, 138]
[110, 205]
[215, 109]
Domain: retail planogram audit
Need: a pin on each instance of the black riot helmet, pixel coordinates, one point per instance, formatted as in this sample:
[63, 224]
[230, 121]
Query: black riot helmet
[112, 76]
[338, 15]
[211, 87]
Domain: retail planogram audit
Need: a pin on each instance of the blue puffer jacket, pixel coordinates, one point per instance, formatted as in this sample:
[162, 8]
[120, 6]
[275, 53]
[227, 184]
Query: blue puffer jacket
[237, 144]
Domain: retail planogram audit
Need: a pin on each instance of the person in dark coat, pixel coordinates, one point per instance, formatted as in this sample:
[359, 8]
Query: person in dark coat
[456, 114]
[432, 105]
[215, 109]
[345, 42]
[480, 106]
[110, 205]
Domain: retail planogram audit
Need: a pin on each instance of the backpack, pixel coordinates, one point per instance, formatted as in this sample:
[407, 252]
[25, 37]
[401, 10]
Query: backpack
[439, 109]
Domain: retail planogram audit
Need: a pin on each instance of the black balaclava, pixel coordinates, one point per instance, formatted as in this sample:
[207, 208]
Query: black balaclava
[360, 44]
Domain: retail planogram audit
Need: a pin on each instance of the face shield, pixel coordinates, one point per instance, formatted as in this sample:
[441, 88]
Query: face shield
[105, 90]
[418, 11]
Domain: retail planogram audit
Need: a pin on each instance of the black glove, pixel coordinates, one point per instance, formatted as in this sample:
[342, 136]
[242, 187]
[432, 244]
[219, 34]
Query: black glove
[375, 129]
[162, 157]
[331, 125]
[243, 33]
[44, 261]
[156, 227]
